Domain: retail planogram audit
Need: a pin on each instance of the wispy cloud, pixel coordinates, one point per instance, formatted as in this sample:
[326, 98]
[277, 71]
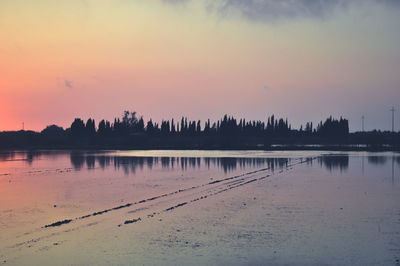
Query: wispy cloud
[266, 88]
[68, 83]
[266, 11]
[64, 83]
[276, 10]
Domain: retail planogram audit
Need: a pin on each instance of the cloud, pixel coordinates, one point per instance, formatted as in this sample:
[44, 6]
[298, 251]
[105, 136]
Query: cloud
[389, 3]
[269, 10]
[64, 83]
[68, 83]
[266, 88]
[277, 10]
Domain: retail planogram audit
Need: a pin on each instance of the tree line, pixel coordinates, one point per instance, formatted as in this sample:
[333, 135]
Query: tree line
[228, 126]
[131, 131]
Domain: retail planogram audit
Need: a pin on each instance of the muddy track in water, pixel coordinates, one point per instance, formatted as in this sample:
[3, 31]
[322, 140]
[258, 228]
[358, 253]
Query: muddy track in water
[223, 188]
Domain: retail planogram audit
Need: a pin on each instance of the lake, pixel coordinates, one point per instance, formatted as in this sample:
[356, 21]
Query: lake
[199, 208]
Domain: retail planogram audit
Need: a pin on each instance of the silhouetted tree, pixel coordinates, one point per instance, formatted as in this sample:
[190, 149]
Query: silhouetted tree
[77, 128]
[53, 130]
[90, 127]
[140, 125]
[333, 128]
[226, 132]
[101, 128]
[173, 127]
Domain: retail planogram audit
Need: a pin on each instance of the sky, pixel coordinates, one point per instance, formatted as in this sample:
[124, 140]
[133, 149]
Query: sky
[303, 60]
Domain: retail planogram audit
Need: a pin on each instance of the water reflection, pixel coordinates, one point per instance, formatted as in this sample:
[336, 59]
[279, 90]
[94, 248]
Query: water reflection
[393, 169]
[77, 160]
[377, 160]
[337, 162]
[29, 156]
[7, 156]
[130, 164]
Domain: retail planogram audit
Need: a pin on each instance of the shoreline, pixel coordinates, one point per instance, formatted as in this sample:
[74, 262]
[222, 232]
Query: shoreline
[278, 147]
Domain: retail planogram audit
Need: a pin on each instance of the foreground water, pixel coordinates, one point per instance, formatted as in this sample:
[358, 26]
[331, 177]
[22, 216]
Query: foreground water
[199, 207]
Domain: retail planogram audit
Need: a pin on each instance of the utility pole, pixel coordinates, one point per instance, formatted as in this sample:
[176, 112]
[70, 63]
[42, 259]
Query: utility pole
[362, 123]
[23, 126]
[392, 110]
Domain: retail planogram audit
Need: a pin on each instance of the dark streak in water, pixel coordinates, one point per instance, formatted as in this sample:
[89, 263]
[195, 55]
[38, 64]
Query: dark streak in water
[176, 206]
[139, 209]
[155, 213]
[132, 221]
[67, 221]
[122, 206]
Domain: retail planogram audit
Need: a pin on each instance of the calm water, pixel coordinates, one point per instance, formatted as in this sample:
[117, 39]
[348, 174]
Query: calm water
[199, 207]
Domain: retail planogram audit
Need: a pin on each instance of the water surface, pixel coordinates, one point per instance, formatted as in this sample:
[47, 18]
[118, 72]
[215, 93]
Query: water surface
[199, 207]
